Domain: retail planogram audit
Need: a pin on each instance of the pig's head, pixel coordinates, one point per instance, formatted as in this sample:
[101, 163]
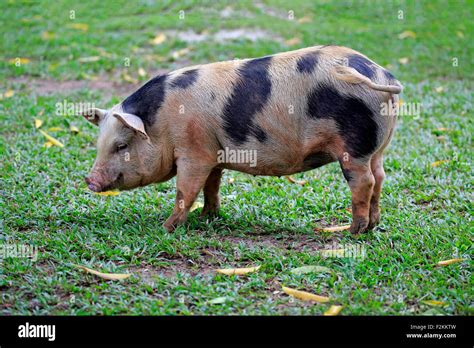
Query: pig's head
[125, 154]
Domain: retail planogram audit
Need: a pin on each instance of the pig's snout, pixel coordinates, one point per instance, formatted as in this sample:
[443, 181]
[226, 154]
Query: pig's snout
[91, 184]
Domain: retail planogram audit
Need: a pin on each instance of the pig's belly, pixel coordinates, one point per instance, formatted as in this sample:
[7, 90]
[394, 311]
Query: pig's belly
[275, 165]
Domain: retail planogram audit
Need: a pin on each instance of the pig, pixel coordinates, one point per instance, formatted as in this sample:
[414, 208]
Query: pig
[295, 111]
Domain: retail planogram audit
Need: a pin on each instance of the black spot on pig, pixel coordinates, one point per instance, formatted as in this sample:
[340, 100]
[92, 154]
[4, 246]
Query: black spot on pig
[316, 160]
[307, 62]
[354, 119]
[249, 96]
[186, 79]
[362, 65]
[146, 101]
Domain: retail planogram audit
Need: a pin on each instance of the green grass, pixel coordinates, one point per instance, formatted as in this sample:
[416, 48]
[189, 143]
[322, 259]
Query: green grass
[426, 210]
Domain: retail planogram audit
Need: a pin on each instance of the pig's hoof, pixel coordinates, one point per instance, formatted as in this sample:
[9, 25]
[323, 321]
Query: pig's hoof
[374, 220]
[169, 227]
[210, 211]
[359, 225]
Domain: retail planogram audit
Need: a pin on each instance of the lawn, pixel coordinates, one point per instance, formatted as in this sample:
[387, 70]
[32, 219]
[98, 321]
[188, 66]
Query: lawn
[71, 52]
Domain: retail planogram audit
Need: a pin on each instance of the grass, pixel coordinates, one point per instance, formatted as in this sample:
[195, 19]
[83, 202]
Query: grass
[426, 210]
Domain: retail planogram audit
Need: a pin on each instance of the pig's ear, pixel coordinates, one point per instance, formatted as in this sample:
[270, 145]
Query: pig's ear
[133, 122]
[94, 115]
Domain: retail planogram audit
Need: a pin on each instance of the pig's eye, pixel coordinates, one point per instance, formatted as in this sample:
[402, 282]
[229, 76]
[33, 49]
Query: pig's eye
[121, 147]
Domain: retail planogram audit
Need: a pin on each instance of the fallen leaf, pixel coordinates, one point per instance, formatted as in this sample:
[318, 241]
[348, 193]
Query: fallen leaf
[196, 205]
[439, 89]
[333, 228]
[79, 26]
[305, 296]
[294, 181]
[293, 41]
[141, 72]
[404, 60]
[304, 19]
[180, 53]
[46, 35]
[74, 129]
[38, 122]
[48, 144]
[218, 300]
[55, 129]
[437, 163]
[126, 77]
[109, 276]
[435, 303]
[159, 39]
[310, 269]
[237, 271]
[88, 59]
[108, 193]
[9, 93]
[19, 60]
[449, 262]
[51, 139]
[407, 34]
[231, 180]
[333, 310]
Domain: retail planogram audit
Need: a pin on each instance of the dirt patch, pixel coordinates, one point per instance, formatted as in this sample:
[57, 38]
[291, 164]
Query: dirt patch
[223, 35]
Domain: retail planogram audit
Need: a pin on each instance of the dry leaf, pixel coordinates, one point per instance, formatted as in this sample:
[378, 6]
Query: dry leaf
[294, 181]
[159, 39]
[231, 180]
[311, 269]
[304, 19]
[437, 163]
[218, 300]
[305, 296]
[439, 89]
[333, 310]
[332, 229]
[9, 93]
[180, 53]
[74, 129]
[449, 262]
[434, 303]
[109, 276]
[237, 271]
[38, 122]
[48, 144]
[407, 34]
[195, 206]
[79, 26]
[108, 193]
[88, 59]
[19, 60]
[293, 41]
[126, 77]
[141, 72]
[51, 139]
[404, 60]
[55, 129]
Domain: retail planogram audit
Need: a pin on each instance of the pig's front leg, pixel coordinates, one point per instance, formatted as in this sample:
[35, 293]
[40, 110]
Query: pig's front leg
[211, 193]
[190, 180]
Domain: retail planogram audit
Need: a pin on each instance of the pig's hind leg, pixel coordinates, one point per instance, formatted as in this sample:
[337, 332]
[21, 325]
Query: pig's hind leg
[211, 193]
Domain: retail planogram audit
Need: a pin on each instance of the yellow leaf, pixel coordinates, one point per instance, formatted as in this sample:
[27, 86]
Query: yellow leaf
[79, 26]
[304, 19]
[404, 60]
[126, 77]
[19, 61]
[159, 39]
[38, 122]
[237, 271]
[293, 41]
[74, 129]
[439, 89]
[55, 129]
[434, 303]
[449, 262]
[180, 53]
[196, 205]
[109, 276]
[305, 296]
[231, 180]
[333, 310]
[46, 35]
[437, 163]
[88, 59]
[407, 34]
[48, 144]
[333, 229]
[141, 72]
[443, 129]
[9, 93]
[108, 193]
[294, 181]
[51, 139]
